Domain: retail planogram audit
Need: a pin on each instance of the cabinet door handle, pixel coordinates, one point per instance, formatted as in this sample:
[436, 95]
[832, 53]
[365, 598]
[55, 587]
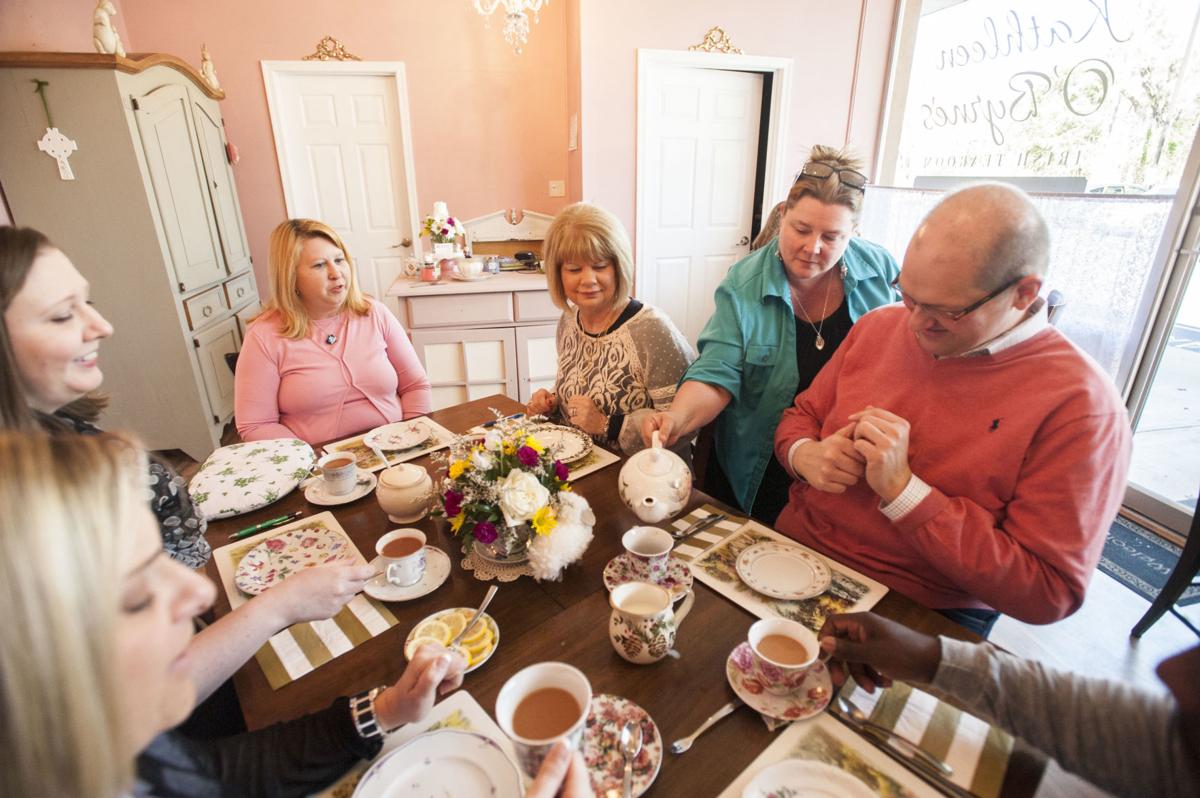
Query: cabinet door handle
[744, 241]
[241, 292]
[404, 242]
[207, 311]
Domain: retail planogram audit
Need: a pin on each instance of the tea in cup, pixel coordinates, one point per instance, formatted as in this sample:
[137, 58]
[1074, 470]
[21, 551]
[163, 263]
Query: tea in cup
[339, 470]
[643, 624]
[403, 554]
[783, 652]
[650, 549]
[540, 705]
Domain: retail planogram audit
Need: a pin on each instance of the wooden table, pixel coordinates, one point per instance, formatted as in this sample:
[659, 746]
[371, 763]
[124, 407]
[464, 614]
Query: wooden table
[565, 621]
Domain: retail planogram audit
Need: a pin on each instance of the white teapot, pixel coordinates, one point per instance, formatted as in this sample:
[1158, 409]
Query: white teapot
[655, 483]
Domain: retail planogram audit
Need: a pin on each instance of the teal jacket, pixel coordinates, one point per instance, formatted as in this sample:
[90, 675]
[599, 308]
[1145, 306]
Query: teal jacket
[748, 348]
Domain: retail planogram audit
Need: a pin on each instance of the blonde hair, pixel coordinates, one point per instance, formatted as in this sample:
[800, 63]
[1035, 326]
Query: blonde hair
[586, 233]
[287, 240]
[829, 190]
[67, 503]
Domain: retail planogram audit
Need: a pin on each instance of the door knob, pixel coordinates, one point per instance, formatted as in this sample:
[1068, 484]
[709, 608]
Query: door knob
[404, 242]
[744, 241]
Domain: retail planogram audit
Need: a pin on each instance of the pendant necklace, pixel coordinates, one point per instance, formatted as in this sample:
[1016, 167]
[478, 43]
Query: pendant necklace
[819, 343]
[331, 339]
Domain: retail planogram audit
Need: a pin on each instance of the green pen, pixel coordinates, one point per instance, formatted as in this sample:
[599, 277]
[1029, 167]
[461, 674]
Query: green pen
[273, 522]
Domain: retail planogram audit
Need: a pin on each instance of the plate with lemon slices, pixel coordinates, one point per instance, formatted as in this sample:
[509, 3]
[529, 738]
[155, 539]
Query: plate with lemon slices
[477, 645]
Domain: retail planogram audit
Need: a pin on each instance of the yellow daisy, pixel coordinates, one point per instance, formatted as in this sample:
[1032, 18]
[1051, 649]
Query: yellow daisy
[457, 521]
[535, 444]
[458, 467]
[544, 521]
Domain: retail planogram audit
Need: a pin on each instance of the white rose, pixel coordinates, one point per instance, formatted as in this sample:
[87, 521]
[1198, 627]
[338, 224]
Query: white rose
[521, 495]
[480, 460]
[492, 440]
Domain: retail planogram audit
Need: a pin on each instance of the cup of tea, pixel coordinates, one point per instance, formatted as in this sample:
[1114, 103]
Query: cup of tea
[783, 651]
[643, 622]
[650, 549]
[471, 268]
[403, 554]
[339, 471]
[540, 705]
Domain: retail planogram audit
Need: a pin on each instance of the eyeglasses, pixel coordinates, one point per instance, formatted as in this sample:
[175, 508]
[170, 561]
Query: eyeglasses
[848, 177]
[952, 315]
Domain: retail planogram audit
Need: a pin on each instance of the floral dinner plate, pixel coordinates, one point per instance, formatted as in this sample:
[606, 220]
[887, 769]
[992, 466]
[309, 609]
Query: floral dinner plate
[783, 571]
[443, 762]
[565, 443]
[807, 778]
[280, 556]
[624, 568]
[810, 698]
[602, 745]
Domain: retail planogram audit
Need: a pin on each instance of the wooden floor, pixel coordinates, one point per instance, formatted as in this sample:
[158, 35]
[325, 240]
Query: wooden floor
[1094, 641]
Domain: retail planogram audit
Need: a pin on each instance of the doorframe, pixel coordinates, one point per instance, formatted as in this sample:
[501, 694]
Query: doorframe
[775, 181]
[273, 70]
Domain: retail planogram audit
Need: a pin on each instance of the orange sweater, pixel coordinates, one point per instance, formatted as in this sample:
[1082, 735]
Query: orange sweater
[1026, 451]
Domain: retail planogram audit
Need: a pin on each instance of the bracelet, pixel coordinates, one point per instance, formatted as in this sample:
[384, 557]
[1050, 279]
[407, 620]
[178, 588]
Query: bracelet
[362, 712]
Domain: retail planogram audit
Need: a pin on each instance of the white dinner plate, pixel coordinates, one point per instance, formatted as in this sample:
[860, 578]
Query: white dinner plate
[443, 762]
[782, 571]
[808, 778]
[565, 443]
[398, 435]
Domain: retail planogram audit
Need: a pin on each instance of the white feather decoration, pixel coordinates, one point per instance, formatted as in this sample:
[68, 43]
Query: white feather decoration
[549, 555]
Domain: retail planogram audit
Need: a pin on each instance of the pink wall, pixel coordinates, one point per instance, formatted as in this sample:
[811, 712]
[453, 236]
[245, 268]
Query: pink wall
[574, 105]
[820, 36]
[64, 25]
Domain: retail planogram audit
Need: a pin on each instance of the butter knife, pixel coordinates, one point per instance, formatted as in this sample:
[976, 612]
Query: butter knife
[699, 526]
[926, 772]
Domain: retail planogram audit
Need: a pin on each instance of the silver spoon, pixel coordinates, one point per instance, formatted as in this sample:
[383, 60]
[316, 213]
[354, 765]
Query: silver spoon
[860, 717]
[486, 601]
[631, 744]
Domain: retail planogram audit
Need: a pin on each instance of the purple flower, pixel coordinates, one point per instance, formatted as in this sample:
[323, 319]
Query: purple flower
[528, 456]
[485, 532]
[452, 501]
[561, 471]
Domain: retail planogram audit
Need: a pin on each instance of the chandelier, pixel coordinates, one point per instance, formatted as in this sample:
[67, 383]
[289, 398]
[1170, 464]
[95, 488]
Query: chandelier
[516, 21]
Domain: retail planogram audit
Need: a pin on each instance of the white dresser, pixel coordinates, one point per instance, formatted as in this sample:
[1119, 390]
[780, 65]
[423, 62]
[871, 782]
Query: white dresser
[481, 338]
[151, 219]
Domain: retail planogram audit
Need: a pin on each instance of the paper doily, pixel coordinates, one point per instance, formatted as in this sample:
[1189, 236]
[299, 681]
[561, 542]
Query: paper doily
[486, 571]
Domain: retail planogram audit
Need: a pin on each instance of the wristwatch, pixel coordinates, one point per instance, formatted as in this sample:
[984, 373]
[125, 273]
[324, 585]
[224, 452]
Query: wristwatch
[362, 712]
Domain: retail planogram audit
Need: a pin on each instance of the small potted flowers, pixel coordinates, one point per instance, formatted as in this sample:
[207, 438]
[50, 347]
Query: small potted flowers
[508, 497]
[443, 230]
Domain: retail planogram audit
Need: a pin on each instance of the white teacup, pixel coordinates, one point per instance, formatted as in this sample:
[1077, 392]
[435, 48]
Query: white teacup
[524, 683]
[471, 268]
[650, 549]
[339, 470]
[402, 568]
[780, 674]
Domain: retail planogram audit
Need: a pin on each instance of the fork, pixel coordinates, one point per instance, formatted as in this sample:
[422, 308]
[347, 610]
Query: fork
[701, 525]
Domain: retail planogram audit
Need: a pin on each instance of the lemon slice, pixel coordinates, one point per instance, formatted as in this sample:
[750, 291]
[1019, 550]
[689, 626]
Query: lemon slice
[476, 632]
[483, 646]
[410, 649]
[454, 623]
[435, 630]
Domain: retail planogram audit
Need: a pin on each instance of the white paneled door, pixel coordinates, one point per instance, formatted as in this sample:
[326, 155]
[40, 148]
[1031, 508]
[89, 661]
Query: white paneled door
[700, 153]
[345, 159]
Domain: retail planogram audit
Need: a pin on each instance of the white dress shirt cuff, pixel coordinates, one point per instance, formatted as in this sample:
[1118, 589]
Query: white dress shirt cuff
[913, 494]
[791, 452]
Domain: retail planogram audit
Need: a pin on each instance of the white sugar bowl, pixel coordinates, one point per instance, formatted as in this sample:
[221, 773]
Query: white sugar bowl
[405, 492]
[655, 483]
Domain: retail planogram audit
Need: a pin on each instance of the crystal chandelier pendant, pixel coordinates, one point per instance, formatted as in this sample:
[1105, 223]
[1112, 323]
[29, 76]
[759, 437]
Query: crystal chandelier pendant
[516, 18]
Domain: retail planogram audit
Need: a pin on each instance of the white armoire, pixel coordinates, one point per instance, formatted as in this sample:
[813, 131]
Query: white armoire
[151, 219]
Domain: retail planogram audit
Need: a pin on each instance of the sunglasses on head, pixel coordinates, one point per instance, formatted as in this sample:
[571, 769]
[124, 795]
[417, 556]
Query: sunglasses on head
[848, 177]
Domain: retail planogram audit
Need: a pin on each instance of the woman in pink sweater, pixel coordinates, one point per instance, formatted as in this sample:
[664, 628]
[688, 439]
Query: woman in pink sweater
[323, 361]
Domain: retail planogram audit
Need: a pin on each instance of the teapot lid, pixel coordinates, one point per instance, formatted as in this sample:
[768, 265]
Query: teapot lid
[655, 461]
[402, 476]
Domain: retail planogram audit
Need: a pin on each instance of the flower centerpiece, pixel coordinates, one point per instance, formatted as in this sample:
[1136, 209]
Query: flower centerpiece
[443, 230]
[507, 494]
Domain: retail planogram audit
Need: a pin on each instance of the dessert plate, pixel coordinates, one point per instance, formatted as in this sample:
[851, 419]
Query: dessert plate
[807, 778]
[280, 556]
[565, 443]
[398, 435]
[810, 698]
[479, 653]
[782, 571]
[443, 762]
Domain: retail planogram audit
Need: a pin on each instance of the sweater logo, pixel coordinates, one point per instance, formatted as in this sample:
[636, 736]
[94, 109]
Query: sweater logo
[995, 424]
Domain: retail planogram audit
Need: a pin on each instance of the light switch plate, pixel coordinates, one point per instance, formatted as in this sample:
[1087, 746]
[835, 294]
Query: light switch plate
[558, 188]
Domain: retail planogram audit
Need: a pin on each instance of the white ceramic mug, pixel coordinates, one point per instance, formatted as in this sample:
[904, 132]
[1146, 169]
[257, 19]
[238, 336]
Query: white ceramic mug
[782, 678]
[406, 570]
[339, 481]
[650, 549]
[531, 752]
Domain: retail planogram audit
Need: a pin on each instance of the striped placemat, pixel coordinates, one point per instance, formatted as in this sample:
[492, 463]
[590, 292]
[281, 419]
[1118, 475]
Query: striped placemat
[304, 647]
[977, 751]
[694, 546]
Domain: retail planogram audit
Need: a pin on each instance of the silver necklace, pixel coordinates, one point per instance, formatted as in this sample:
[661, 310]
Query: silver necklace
[819, 343]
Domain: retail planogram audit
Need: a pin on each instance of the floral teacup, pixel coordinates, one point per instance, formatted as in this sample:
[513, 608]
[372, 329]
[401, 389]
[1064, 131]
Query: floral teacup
[642, 626]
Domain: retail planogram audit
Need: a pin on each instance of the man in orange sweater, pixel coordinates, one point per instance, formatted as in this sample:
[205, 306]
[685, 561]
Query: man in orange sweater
[959, 449]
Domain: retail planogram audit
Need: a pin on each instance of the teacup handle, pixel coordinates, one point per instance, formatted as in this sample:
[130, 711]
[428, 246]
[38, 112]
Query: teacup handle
[685, 607]
[391, 566]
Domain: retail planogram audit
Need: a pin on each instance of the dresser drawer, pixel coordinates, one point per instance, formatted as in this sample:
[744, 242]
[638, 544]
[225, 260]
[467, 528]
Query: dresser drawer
[245, 315]
[203, 308]
[455, 310]
[239, 289]
[535, 306]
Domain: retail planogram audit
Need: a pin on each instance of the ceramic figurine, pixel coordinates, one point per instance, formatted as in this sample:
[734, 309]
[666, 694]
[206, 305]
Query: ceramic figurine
[655, 483]
[207, 70]
[104, 35]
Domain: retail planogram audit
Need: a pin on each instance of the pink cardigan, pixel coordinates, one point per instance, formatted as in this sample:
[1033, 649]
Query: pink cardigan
[317, 392]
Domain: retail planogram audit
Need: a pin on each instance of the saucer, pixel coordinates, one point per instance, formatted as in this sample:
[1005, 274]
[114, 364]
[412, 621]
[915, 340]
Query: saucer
[623, 568]
[315, 492]
[437, 568]
[812, 696]
[602, 745]
[466, 278]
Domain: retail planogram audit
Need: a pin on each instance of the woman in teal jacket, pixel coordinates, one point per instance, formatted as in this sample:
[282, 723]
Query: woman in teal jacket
[780, 314]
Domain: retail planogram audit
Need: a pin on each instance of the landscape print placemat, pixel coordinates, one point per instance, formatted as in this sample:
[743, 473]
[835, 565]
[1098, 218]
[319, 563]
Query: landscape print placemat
[849, 591]
[375, 459]
[304, 647]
